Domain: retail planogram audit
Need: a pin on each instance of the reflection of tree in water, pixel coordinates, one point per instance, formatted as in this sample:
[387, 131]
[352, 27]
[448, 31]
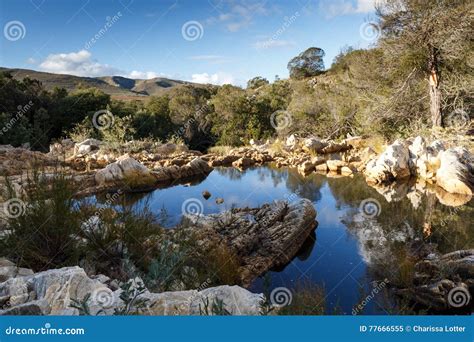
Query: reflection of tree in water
[306, 187]
[392, 242]
[229, 172]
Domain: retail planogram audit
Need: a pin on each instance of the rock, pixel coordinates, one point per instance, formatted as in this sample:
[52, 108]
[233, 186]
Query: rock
[7, 272]
[263, 237]
[306, 167]
[355, 142]
[335, 165]
[417, 148]
[168, 148]
[314, 145]
[34, 308]
[219, 200]
[125, 170]
[56, 288]
[456, 171]
[60, 286]
[291, 142]
[346, 171]
[242, 163]
[433, 290]
[206, 194]
[6, 262]
[235, 300]
[86, 147]
[321, 167]
[392, 164]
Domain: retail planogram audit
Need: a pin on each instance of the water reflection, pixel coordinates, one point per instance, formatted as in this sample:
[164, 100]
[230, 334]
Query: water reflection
[349, 253]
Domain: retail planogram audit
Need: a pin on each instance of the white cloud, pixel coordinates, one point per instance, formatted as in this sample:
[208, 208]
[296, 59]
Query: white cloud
[219, 78]
[239, 15]
[272, 43]
[146, 75]
[333, 8]
[31, 60]
[76, 63]
[81, 64]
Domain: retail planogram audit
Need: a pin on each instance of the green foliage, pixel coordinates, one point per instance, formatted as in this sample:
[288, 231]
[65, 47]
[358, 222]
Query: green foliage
[82, 305]
[306, 64]
[44, 236]
[256, 82]
[216, 308]
[133, 303]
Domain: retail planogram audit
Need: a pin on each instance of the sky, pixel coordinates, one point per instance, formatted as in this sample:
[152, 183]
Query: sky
[205, 41]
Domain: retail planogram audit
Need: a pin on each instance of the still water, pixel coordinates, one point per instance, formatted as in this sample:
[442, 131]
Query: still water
[349, 253]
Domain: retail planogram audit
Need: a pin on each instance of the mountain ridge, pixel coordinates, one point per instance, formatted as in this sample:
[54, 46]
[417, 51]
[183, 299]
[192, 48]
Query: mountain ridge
[116, 86]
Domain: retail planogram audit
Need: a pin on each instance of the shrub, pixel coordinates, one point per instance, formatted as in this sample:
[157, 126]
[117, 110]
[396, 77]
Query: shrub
[45, 234]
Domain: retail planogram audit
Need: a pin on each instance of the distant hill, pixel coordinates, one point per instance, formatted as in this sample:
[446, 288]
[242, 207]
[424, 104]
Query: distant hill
[116, 86]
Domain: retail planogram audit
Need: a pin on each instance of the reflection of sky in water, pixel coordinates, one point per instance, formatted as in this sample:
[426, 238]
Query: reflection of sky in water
[334, 260]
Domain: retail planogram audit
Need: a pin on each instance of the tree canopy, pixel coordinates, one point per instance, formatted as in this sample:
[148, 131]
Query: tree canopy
[306, 64]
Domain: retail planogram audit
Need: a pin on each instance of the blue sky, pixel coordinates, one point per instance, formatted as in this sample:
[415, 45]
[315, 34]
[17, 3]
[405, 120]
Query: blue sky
[215, 41]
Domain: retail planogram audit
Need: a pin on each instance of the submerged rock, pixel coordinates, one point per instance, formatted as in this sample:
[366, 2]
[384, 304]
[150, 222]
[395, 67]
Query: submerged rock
[206, 194]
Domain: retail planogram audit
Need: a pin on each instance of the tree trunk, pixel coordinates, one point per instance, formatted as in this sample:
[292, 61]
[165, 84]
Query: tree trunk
[435, 94]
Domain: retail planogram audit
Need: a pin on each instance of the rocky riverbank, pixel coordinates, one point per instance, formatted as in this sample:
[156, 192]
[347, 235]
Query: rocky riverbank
[96, 168]
[260, 238]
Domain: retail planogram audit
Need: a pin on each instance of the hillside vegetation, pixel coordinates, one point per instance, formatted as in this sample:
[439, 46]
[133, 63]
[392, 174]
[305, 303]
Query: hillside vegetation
[418, 76]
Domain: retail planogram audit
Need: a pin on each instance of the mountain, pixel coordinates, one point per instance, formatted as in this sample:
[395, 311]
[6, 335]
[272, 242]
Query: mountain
[117, 86]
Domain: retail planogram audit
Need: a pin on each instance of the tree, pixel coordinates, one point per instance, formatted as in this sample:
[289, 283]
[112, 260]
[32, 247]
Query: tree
[306, 64]
[432, 39]
[257, 82]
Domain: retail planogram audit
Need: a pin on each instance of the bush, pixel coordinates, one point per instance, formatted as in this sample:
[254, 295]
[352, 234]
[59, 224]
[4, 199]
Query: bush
[44, 236]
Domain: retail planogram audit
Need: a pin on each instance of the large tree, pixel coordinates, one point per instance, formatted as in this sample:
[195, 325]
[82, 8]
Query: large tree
[432, 39]
[306, 64]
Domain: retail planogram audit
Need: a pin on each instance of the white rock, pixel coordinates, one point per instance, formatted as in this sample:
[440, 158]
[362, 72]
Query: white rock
[125, 167]
[394, 163]
[455, 174]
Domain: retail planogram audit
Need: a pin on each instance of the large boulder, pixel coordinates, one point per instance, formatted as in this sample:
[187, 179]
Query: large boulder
[235, 301]
[393, 163]
[196, 167]
[263, 237]
[456, 171]
[125, 171]
[52, 292]
[57, 291]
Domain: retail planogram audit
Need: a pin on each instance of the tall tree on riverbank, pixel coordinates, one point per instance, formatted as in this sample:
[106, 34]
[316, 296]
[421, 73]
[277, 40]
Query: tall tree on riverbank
[432, 39]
